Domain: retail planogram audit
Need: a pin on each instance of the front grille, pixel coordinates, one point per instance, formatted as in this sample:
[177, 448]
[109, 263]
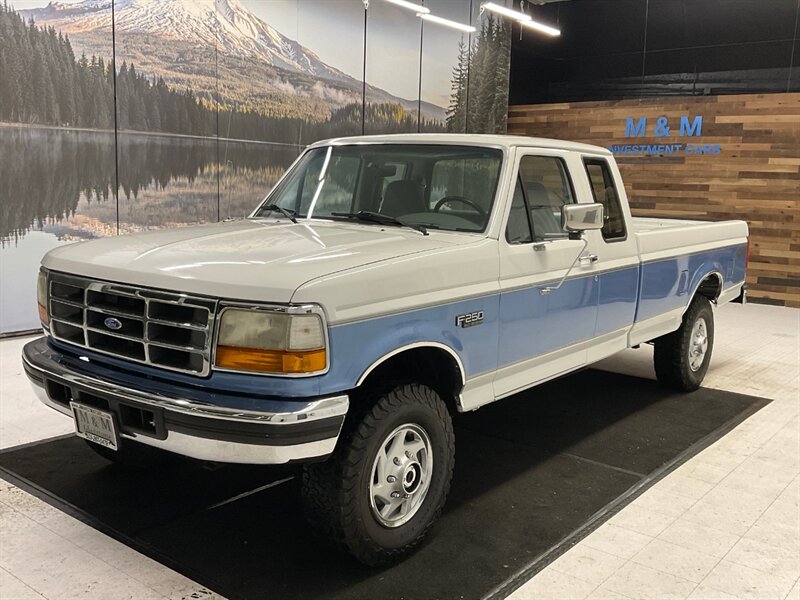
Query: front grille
[164, 329]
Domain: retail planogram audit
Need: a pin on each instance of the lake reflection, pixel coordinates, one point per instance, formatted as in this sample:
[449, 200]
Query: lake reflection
[61, 183]
[63, 180]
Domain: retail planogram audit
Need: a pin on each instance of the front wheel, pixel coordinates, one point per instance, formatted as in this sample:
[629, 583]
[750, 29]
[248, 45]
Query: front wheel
[387, 481]
[682, 357]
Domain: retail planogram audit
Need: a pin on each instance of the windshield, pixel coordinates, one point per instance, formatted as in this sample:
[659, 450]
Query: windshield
[437, 186]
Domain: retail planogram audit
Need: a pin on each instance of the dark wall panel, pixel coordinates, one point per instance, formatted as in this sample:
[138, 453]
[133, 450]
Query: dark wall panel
[612, 49]
[699, 23]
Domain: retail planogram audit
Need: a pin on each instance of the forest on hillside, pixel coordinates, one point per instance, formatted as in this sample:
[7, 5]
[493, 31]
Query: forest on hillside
[49, 85]
[479, 99]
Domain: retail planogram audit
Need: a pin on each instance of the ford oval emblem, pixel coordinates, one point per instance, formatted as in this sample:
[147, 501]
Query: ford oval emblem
[113, 324]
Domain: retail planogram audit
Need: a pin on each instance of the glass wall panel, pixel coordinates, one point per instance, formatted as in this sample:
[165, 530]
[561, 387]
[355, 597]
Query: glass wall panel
[260, 93]
[333, 30]
[445, 65]
[393, 52]
[166, 56]
[487, 81]
[56, 144]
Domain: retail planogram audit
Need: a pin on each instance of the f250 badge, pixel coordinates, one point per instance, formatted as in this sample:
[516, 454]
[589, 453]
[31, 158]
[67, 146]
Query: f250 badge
[470, 319]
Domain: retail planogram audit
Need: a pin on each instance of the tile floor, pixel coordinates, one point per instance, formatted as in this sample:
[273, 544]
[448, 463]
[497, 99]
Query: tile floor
[726, 524]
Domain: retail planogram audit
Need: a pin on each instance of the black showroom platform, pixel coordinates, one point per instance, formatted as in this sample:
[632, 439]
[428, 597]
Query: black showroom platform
[534, 473]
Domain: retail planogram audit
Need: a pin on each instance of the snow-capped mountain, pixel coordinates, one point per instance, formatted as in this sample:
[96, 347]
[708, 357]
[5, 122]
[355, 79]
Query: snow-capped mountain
[226, 24]
[258, 67]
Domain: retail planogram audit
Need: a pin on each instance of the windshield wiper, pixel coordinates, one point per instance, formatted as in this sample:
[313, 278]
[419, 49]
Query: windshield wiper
[380, 218]
[284, 211]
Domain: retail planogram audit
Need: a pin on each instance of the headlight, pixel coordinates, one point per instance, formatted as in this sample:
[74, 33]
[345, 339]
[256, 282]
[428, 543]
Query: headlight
[41, 297]
[270, 342]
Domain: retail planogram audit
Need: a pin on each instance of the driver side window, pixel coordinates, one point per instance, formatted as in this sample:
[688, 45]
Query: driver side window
[543, 186]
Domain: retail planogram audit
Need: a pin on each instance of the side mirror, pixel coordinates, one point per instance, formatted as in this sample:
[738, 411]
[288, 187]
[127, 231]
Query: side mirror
[577, 218]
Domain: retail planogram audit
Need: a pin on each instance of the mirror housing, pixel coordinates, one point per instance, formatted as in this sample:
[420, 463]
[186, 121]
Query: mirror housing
[577, 218]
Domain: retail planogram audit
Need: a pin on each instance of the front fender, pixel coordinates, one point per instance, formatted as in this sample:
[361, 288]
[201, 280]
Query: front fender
[356, 348]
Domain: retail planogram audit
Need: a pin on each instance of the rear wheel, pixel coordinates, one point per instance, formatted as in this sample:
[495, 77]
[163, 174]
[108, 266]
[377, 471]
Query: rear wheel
[385, 485]
[681, 358]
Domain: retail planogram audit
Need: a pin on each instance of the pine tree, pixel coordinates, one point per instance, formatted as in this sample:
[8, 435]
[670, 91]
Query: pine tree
[457, 111]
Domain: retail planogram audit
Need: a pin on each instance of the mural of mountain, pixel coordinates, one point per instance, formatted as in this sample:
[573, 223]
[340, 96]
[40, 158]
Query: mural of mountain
[206, 107]
[259, 68]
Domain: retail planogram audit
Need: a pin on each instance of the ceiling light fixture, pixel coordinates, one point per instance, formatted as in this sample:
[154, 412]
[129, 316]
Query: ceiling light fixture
[541, 27]
[411, 6]
[447, 22]
[506, 12]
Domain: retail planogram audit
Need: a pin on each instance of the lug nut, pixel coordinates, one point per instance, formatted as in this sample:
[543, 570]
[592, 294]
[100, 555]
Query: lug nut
[391, 479]
[408, 453]
[396, 461]
[395, 494]
[407, 495]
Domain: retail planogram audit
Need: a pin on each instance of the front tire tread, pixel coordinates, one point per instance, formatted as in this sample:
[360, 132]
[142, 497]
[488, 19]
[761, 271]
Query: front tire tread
[330, 489]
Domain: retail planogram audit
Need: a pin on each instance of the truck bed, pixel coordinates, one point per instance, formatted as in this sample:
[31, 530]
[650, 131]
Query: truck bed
[665, 238]
[676, 255]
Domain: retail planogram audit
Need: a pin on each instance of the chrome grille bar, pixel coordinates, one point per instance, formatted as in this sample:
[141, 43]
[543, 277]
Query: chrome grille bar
[164, 329]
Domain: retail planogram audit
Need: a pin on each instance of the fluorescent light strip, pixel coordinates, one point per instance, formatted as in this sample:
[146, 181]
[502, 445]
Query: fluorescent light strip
[541, 27]
[447, 23]
[411, 6]
[502, 10]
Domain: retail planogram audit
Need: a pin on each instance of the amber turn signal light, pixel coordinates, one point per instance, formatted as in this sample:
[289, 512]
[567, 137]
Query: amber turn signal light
[41, 297]
[270, 361]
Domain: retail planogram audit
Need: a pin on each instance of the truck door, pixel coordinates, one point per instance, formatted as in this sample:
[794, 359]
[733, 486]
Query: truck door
[542, 334]
[617, 259]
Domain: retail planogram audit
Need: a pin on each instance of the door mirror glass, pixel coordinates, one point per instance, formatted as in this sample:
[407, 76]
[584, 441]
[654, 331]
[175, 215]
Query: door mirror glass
[576, 218]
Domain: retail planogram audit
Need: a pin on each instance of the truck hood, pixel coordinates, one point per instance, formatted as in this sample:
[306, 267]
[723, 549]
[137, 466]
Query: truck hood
[260, 260]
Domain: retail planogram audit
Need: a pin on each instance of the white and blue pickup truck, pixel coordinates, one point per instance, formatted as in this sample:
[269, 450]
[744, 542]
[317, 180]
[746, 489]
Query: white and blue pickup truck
[385, 283]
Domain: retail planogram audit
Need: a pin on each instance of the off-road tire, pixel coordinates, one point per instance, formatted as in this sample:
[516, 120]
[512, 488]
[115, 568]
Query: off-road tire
[671, 352]
[336, 492]
[130, 455]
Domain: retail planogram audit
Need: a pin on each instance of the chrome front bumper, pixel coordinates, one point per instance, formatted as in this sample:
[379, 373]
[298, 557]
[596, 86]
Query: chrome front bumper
[284, 431]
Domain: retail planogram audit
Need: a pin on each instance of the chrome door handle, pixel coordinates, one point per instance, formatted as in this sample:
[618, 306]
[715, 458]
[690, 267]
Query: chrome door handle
[588, 259]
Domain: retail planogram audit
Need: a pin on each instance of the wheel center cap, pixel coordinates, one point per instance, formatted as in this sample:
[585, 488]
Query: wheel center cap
[411, 478]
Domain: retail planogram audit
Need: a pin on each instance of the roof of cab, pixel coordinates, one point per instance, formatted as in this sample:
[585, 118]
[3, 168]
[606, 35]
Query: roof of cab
[503, 141]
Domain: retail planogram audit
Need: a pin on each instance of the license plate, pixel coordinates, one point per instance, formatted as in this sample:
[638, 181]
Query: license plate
[95, 425]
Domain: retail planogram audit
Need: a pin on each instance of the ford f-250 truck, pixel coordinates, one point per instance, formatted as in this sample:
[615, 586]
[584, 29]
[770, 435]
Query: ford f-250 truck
[384, 284]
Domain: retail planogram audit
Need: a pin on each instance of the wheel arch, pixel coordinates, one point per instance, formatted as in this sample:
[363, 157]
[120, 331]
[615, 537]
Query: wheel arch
[432, 363]
[710, 286]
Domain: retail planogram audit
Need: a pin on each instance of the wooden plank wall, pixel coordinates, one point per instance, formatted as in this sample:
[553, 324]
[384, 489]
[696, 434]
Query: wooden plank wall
[755, 177]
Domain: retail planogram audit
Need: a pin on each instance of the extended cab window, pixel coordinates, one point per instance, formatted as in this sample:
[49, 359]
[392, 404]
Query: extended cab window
[605, 192]
[543, 187]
